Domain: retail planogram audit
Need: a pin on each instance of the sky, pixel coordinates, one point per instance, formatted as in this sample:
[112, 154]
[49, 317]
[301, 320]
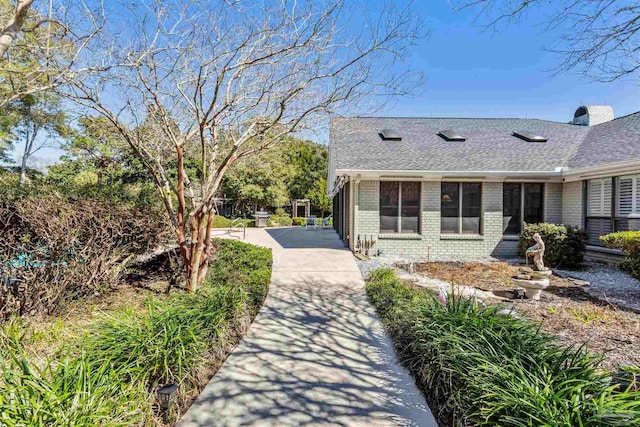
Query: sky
[473, 72]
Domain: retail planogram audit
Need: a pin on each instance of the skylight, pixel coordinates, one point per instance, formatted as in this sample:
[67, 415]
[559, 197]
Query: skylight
[451, 135]
[530, 137]
[390, 135]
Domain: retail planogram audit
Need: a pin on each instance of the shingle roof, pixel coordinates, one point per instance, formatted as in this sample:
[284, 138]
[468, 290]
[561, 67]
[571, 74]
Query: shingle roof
[610, 142]
[490, 144]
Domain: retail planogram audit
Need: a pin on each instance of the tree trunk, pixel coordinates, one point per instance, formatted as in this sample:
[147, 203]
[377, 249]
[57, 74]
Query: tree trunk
[23, 170]
[197, 262]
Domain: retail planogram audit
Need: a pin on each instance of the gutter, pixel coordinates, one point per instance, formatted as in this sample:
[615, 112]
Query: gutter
[619, 168]
[372, 173]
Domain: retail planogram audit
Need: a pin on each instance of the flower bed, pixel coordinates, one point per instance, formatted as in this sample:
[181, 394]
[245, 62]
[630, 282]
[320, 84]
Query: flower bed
[479, 367]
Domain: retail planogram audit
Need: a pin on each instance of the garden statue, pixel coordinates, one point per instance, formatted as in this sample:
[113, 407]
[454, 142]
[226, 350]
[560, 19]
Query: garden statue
[537, 251]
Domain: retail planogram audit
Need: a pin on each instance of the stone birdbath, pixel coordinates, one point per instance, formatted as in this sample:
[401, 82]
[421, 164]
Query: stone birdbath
[538, 280]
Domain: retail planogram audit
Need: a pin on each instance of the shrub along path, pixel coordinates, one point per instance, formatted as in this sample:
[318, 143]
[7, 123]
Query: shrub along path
[316, 354]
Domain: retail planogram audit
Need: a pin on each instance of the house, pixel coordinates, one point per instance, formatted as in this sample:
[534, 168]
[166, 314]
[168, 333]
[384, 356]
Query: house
[462, 188]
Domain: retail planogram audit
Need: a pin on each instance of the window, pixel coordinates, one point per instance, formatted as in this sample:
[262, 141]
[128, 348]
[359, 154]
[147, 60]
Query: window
[628, 195]
[599, 197]
[399, 207]
[460, 207]
[521, 203]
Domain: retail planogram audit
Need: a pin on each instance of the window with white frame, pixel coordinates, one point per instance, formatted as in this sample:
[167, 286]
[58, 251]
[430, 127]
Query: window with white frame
[599, 197]
[628, 195]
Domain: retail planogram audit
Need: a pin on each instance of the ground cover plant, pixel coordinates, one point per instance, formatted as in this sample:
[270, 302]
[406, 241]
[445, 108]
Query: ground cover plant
[479, 367]
[565, 309]
[108, 370]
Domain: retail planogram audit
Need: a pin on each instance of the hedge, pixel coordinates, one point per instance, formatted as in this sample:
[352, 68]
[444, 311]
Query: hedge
[479, 367]
[565, 245]
[629, 242]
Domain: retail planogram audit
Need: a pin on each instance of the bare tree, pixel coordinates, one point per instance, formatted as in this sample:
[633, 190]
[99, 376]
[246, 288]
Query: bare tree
[210, 82]
[599, 38]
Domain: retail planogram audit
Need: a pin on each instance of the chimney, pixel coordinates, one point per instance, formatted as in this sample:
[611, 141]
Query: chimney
[591, 115]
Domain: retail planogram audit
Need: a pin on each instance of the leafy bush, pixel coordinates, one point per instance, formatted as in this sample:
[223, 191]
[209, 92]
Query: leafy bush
[479, 367]
[629, 243]
[54, 246]
[221, 222]
[298, 220]
[110, 376]
[282, 220]
[565, 245]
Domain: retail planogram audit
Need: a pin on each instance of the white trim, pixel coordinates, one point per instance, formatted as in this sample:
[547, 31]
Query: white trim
[562, 173]
[484, 176]
[619, 168]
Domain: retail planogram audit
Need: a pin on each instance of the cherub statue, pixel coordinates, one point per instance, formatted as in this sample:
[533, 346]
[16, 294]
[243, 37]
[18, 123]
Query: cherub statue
[537, 251]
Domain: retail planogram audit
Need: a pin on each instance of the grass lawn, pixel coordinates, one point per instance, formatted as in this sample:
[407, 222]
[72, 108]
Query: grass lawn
[102, 359]
[478, 366]
[565, 309]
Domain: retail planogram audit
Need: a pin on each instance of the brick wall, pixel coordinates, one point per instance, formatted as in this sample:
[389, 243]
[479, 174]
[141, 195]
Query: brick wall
[572, 204]
[562, 204]
[430, 243]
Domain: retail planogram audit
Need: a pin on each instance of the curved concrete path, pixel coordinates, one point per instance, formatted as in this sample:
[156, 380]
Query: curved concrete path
[316, 354]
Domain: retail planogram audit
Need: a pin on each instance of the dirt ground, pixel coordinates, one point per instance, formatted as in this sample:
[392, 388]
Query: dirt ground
[564, 310]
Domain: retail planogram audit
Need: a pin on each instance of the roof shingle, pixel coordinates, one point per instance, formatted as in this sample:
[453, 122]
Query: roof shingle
[490, 144]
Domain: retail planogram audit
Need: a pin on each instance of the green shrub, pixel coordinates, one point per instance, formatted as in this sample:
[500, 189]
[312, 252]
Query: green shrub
[221, 222]
[565, 245]
[298, 220]
[243, 265]
[629, 243]
[479, 367]
[282, 220]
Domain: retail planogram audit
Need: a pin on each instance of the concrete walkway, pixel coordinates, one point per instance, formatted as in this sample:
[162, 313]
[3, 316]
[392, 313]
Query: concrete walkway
[316, 354]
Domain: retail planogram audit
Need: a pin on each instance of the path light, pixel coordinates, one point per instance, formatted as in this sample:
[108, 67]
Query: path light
[166, 396]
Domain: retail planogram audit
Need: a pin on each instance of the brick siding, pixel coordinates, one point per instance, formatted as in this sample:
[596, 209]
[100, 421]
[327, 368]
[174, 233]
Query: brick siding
[434, 246]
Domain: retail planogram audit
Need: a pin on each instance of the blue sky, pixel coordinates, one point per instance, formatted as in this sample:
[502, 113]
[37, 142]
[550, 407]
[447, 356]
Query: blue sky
[470, 72]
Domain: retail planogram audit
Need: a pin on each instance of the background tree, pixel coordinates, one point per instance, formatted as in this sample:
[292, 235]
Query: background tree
[38, 123]
[223, 81]
[311, 164]
[97, 146]
[600, 39]
[319, 198]
[259, 182]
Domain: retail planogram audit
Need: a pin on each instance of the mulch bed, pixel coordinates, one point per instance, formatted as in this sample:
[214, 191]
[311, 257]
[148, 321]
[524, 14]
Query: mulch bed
[564, 310]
